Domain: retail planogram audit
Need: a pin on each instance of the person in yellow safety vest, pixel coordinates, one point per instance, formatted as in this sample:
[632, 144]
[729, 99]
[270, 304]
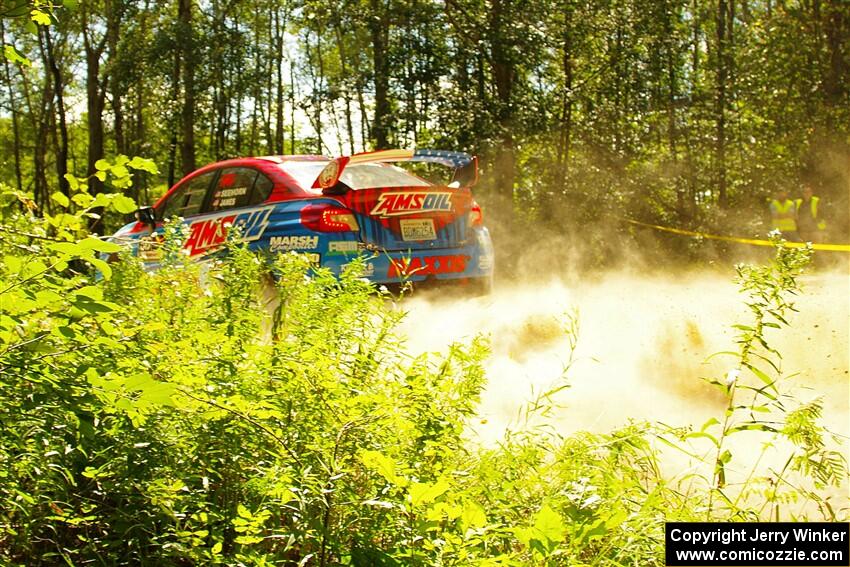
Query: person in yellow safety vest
[783, 214]
[810, 222]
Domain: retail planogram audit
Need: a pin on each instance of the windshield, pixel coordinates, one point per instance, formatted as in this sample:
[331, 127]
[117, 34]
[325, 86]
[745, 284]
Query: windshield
[360, 176]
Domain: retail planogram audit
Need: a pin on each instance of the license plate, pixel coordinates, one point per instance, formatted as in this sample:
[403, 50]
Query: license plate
[417, 229]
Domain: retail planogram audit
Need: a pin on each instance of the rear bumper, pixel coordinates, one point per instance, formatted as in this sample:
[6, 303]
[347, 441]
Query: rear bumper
[473, 261]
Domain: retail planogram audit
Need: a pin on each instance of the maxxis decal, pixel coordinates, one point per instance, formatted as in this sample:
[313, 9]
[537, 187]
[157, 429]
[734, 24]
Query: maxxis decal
[428, 266]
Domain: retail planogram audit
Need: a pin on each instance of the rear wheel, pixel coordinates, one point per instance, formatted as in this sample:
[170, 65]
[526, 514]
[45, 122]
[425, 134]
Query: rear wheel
[481, 286]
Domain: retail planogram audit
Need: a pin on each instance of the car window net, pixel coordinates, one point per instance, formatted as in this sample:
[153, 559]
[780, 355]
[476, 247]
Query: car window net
[187, 200]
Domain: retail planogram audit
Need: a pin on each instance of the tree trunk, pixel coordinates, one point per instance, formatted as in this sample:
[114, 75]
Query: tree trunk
[318, 93]
[837, 28]
[13, 108]
[278, 43]
[722, 24]
[238, 133]
[41, 124]
[365, 127]
[138, 145]
[292, 106]
[565, 139]
[620, 72]
[175, 96]
[503, 76]
[34, 114]
[187, 116]
[346, 82]
[94, 107]
[671, 16]
[409, 83]
[379, 31]
[58, 87]
[257, 91]
[697, 33]
[112, 33]
[266, 110]
[96, 87]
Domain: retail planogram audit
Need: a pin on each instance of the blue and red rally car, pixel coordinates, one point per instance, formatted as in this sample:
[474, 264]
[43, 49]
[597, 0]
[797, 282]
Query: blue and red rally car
[406, 228]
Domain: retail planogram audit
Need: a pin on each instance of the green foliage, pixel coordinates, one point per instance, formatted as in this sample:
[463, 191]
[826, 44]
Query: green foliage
[153, 423]
[242, 413]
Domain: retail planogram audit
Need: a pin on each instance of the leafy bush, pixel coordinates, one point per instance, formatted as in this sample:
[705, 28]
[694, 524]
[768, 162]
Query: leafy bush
[231, 414]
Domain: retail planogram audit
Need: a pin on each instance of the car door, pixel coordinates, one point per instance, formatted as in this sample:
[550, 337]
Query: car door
[233, 199]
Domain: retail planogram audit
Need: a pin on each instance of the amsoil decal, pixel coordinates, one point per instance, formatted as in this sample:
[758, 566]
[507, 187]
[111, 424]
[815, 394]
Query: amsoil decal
[411, 202]
[210, 233]
[277, 243]
[429, 266]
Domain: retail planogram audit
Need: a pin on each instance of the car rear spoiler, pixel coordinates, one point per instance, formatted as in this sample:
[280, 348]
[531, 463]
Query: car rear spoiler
[465, 166]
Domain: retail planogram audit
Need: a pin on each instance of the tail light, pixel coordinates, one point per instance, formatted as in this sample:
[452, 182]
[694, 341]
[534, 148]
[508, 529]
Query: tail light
[476, 217]
[327, 218]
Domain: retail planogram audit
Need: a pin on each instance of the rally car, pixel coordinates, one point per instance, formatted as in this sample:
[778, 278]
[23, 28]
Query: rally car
[406, 228]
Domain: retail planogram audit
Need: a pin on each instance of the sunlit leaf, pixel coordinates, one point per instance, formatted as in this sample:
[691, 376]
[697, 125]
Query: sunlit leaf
[14, 56]
[550, 525]
[13, 264]
[143, 165]
[61, 199]
[90, 291]
[762, 376]
[382, 465]
[424, 493]
[124, 204]
[40, 17]
[102, 267]
[99, 245]
[473, 515]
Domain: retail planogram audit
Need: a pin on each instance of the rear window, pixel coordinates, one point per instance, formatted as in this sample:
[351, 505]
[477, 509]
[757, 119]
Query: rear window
[360, 176]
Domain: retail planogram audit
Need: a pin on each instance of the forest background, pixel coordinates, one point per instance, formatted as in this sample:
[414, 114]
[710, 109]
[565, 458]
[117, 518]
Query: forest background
[684, 113]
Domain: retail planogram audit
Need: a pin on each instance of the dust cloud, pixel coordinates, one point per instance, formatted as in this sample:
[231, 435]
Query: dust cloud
[644, 343]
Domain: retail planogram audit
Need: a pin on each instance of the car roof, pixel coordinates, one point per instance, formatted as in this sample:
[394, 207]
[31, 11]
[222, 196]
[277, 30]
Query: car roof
[259, 161]
[267, 164]
[296, 157]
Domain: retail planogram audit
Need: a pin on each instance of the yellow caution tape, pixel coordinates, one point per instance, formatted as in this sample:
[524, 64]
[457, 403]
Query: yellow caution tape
[755, 242]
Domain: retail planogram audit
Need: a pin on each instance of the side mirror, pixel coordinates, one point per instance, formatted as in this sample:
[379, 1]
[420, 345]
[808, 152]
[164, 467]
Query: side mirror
[147, 215]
